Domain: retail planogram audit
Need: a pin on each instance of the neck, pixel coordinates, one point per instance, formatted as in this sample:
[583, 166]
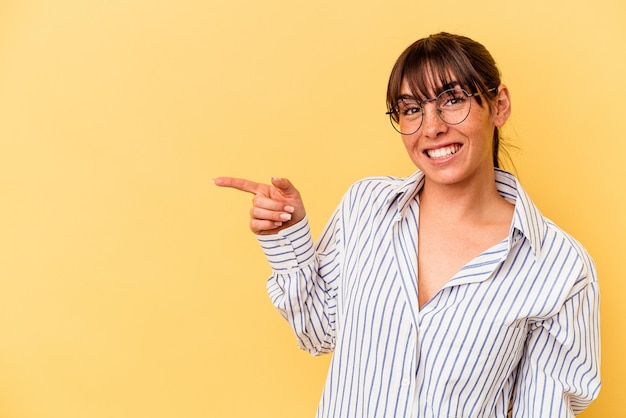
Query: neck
[461, 201]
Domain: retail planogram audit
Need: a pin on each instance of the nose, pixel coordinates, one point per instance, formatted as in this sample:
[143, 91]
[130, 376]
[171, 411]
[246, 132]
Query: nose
[432, 125]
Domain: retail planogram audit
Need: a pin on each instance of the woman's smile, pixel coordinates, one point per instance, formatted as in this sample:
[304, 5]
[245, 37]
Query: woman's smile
[443, 152]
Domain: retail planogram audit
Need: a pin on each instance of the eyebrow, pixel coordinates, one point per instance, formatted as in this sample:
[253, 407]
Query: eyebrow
[450, 85]
[447, 86]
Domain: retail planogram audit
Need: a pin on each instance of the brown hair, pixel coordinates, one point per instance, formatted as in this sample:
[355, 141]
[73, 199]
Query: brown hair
[446, 58]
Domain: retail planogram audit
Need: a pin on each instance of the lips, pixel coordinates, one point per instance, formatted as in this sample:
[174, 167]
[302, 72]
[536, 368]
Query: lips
[443, 152]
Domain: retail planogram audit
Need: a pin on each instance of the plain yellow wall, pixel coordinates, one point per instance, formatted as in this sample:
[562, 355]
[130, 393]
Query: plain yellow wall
[130, 286]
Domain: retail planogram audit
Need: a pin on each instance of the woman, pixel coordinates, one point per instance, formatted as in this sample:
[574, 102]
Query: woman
[447, 293]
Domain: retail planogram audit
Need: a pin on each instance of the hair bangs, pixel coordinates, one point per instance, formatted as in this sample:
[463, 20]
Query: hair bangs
[432, 65]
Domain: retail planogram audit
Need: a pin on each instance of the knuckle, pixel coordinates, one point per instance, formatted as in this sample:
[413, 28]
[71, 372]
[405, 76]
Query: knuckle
[259, 201]
[254, 225]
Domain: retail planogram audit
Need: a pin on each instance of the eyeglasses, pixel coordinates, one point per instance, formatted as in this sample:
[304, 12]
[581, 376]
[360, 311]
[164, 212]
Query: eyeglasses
[453, 106]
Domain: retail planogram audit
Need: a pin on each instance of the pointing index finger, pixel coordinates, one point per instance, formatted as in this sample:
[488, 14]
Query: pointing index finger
[239, 184]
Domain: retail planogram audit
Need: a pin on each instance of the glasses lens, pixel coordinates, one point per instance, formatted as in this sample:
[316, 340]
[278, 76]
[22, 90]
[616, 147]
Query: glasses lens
[453, 106]
[407, 116]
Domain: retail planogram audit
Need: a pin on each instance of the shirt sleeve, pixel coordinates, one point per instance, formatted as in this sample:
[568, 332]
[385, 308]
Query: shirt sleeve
[559, 375]
[303, 283]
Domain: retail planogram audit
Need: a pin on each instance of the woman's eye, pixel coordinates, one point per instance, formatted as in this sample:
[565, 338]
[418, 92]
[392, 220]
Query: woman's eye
[409, 109]
[453, 99]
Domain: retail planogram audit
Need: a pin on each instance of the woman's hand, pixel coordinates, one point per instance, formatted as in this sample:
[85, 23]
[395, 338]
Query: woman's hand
[274, 207]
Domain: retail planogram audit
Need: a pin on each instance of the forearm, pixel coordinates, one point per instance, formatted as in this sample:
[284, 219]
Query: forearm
[298, 288]
[560, 374]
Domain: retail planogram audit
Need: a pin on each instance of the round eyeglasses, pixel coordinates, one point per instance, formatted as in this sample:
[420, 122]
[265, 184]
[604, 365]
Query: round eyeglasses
[453, 107]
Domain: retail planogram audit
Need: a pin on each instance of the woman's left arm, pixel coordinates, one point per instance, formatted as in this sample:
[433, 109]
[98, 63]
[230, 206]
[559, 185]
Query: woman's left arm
[559, 375]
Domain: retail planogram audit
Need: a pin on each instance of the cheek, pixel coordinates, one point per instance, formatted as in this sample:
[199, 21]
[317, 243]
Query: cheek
[480, 130]
[482, 144]
[410, 144]
[411, 149]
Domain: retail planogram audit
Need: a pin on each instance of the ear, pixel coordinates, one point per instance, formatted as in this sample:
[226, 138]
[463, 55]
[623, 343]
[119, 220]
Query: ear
[502, 106]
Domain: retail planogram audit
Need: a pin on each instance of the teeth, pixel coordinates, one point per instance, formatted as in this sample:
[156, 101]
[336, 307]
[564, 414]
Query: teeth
[443, 152]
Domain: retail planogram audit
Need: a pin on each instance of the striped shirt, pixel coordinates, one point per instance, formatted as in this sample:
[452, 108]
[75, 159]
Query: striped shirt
[514, 333]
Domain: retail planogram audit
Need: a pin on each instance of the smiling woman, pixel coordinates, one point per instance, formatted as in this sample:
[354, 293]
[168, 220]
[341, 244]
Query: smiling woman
[131, 287]
[446, 293]
[447, 61]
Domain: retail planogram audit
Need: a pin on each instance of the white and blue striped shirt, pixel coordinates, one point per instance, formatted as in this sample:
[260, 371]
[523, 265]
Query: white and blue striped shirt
[514, 332]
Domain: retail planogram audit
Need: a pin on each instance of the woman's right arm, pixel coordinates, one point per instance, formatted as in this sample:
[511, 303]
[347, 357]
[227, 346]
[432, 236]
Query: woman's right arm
[303, 285]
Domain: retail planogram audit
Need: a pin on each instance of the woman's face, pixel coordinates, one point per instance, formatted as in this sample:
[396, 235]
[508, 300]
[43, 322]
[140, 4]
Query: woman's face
[454, 154]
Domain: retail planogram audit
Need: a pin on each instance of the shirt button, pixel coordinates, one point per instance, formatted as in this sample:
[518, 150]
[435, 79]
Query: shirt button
[406, 382]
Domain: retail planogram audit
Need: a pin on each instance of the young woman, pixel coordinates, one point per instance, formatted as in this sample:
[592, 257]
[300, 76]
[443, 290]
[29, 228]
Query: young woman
[447, 293]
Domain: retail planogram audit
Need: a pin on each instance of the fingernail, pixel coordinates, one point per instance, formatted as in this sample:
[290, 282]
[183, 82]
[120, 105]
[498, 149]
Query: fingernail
[289, 209]
[285, 216]
[278, 223]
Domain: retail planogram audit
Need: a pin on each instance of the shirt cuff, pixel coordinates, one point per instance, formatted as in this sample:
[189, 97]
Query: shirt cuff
[289, 249]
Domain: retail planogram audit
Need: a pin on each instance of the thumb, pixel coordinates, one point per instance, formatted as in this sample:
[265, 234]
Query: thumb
[283, 184]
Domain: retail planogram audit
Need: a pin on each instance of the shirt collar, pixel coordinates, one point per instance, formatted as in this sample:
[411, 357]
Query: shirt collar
[527, 220]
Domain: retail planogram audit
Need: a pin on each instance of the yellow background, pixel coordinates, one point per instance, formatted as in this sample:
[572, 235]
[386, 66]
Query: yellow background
[130, 286]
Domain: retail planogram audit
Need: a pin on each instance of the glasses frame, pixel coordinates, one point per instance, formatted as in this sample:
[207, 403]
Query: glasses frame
[394, 111]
